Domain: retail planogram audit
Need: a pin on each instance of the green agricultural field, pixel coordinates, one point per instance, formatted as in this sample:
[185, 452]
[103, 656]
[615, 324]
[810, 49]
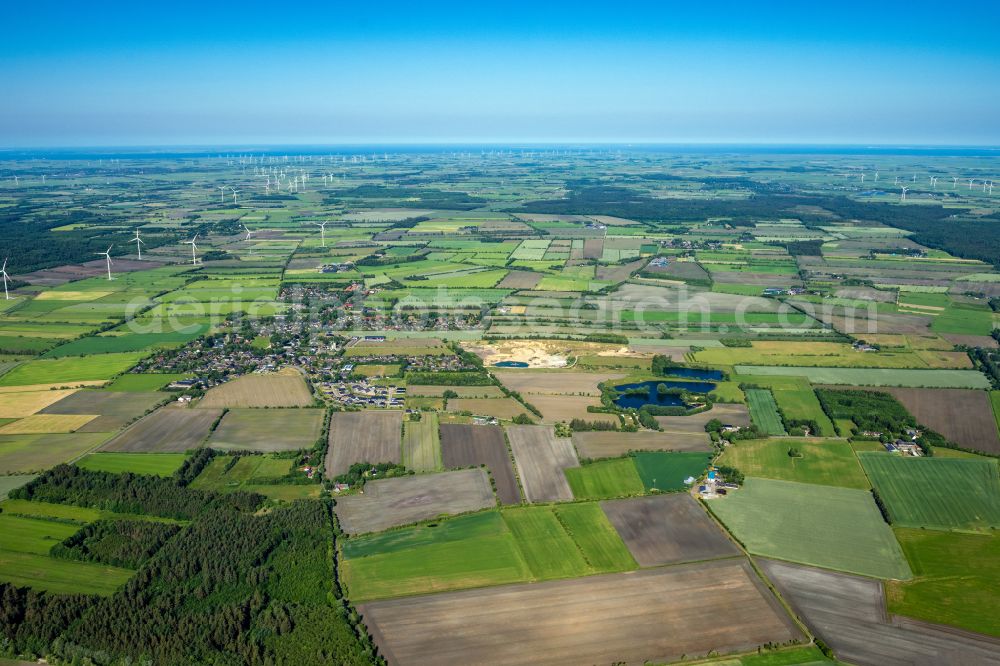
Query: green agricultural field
[663, 471]
[9, 483]
[141, 383]
[796, 400]
[943, 378]
[955, 579]
[826, 462]
[764, 411]
[473, 554]
[34, 453]
[549, 551]
[70, 370]
[32, 535]
[267, 429]
[422, 443]
[940, 493]
[69, 512]
[822, 526]
[60, 576]
[157, 464]
[605, 479]
[128, 342]
[602, 547]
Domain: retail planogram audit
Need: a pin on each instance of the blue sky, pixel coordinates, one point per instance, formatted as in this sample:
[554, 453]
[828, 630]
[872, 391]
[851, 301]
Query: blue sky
[115, 73]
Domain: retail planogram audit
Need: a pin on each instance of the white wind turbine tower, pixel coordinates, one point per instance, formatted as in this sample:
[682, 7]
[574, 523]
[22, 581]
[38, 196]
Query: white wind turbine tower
[249, 236]
[322, 231]
[862, 178]
[896, 182]
[107, 255]
[235, 192]
[222, 192]
[3, 272]
[954, 184]
[138, 243]
[971, 181]
[903, 195]
[876, 176]
[194, 257]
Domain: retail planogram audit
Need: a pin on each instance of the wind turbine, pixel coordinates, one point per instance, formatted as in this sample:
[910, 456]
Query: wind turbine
[222, 192]
[862, 178]
[138, 243]
[903, 196]
[194, 257]
[249, 236]
[896, 182]
[876, 176]
[322, 231]
[954, 184]
[107, 255]
[235, 192]
[971, 181]
[3, 272]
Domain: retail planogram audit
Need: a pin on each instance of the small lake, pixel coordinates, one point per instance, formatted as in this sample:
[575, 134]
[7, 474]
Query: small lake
[694, 373]
[511, 364]
[653, 398]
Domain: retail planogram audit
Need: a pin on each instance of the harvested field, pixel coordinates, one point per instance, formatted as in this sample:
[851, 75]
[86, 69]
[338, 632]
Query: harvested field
[964, 416]
[285, 388]
[369, 436]
[555, 408]
[115, 408]
[541, 458]
[464, 445]
[609, 444]
[556, 383]
[729, 414]
[20, 454]
[667, 529]
[268, 430]
[520, 280]
[47, 423]
[421, 443]
[848, 613]
[408, 499]
[502, 408]
[167, 430]
[874, 376]
[655, 615]
[25, 403]
[462, 391]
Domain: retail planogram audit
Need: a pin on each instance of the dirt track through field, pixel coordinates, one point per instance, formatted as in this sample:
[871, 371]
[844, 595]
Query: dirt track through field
[464, 445]
[667, 529]
[541, 458]
[371, 436]
[652, 615]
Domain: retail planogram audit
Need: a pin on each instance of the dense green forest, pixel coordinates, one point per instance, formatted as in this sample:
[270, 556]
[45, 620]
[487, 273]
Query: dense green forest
[239, 585]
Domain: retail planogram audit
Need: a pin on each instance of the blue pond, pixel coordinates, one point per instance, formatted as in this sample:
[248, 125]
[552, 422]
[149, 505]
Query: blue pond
[694, 373]
[510, 364]
[654, 398]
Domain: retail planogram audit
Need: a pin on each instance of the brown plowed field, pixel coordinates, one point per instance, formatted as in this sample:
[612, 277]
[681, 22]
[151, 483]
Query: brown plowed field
[610, 444]
[653, 615]
[409, 499]
[167, 430]
[848, 613]
[964, 416]
[372, 436]
[667, 529]
[464, 445]
[541, 458]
